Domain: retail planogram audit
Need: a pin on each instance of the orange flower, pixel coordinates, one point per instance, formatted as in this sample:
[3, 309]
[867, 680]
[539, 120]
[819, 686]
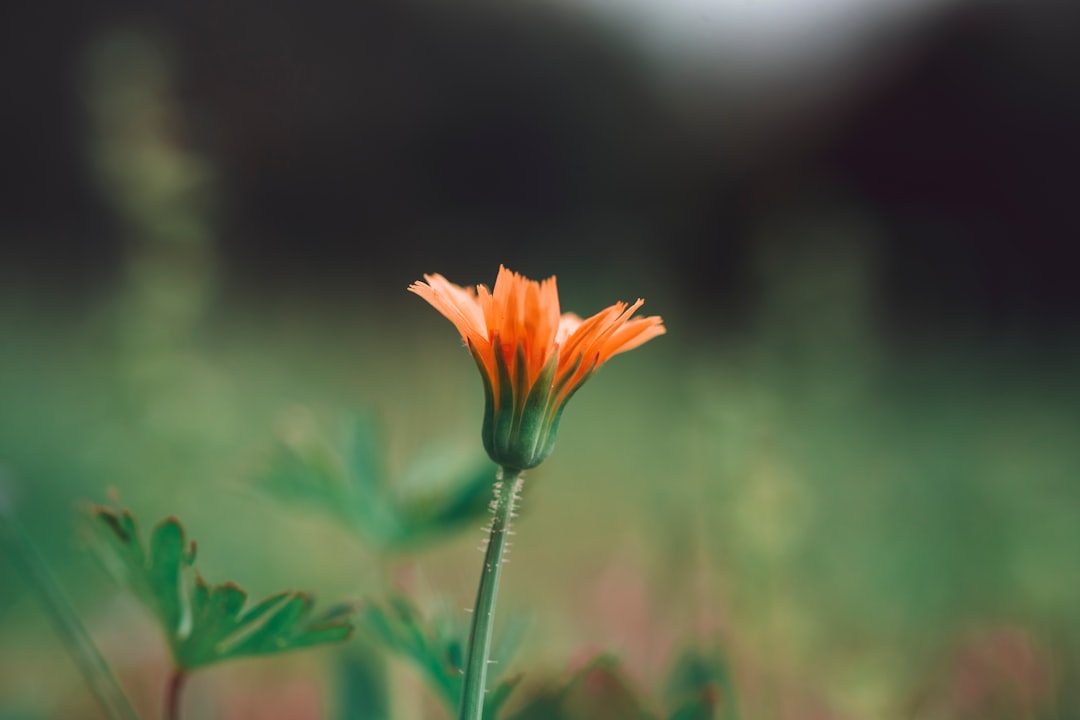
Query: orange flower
[531, 357]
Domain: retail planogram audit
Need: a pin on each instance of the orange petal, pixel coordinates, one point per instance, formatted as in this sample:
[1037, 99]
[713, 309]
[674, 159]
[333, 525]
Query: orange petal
[458, 304]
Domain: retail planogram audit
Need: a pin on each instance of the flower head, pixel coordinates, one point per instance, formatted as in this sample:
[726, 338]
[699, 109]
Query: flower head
[531, 356]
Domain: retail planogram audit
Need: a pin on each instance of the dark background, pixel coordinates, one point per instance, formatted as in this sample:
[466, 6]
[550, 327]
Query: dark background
[360, 144]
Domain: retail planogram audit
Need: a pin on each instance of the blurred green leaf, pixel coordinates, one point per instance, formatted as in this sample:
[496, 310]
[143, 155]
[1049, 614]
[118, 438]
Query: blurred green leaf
[19, 548]
[350, 483]
[598, 691]
[204, 623]
[435, 647]
[700, 688]
[498, 695]
[310, 475]
[399, 626]
[363, 689]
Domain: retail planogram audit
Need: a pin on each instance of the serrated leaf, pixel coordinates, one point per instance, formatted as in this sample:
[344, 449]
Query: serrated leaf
[168, 558]
[153, 576]
[205, 624]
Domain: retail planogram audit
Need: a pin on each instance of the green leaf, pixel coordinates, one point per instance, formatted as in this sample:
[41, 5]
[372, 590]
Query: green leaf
[16, 545]
[362, 685]
[167, 559]
[436, 495]
[434, 647]
[203, 623]
[498, 695]
[460, 503]
[155, 576]
[363, 451]
[700, 688]
[311, 474]
[399, 626]
[598, 691]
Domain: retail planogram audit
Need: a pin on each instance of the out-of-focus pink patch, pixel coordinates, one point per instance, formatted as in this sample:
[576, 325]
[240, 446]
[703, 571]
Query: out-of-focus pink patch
[621, 607]
[298, 699]
[996, 672]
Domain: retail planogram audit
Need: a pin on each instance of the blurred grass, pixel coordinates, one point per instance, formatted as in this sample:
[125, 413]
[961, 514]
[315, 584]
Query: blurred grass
[838, 515]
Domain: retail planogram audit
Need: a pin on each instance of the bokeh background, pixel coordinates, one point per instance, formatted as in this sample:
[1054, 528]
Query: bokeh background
[852, 464]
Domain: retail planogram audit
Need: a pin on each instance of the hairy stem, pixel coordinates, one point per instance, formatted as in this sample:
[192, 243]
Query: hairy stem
[475, 687]
[66, 621]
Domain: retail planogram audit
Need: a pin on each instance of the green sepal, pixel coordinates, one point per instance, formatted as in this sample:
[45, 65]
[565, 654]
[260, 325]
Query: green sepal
[205, 624]
[537, 435]
[487, 428]
[555, 408]
[520, 434]
[499, 424]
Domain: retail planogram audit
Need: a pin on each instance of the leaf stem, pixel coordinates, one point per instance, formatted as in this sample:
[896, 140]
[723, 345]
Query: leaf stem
[507, 490]
[172, 694]
[66, 622]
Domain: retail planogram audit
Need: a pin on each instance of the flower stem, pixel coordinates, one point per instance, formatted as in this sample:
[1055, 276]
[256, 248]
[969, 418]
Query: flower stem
[507, 490]
[65, 620]
[172, 694]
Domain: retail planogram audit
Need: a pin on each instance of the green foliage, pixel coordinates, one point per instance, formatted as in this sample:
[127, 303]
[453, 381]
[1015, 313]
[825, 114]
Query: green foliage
[873, 496]
[65, 620]
[351, 483]
[598, 691]
[437, 652]
[700, 688]
[436, 648]
[205, 624]
[362, 682]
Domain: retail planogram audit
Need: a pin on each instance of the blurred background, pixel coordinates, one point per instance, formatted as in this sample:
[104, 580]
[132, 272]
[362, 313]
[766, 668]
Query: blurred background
[852, 464]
